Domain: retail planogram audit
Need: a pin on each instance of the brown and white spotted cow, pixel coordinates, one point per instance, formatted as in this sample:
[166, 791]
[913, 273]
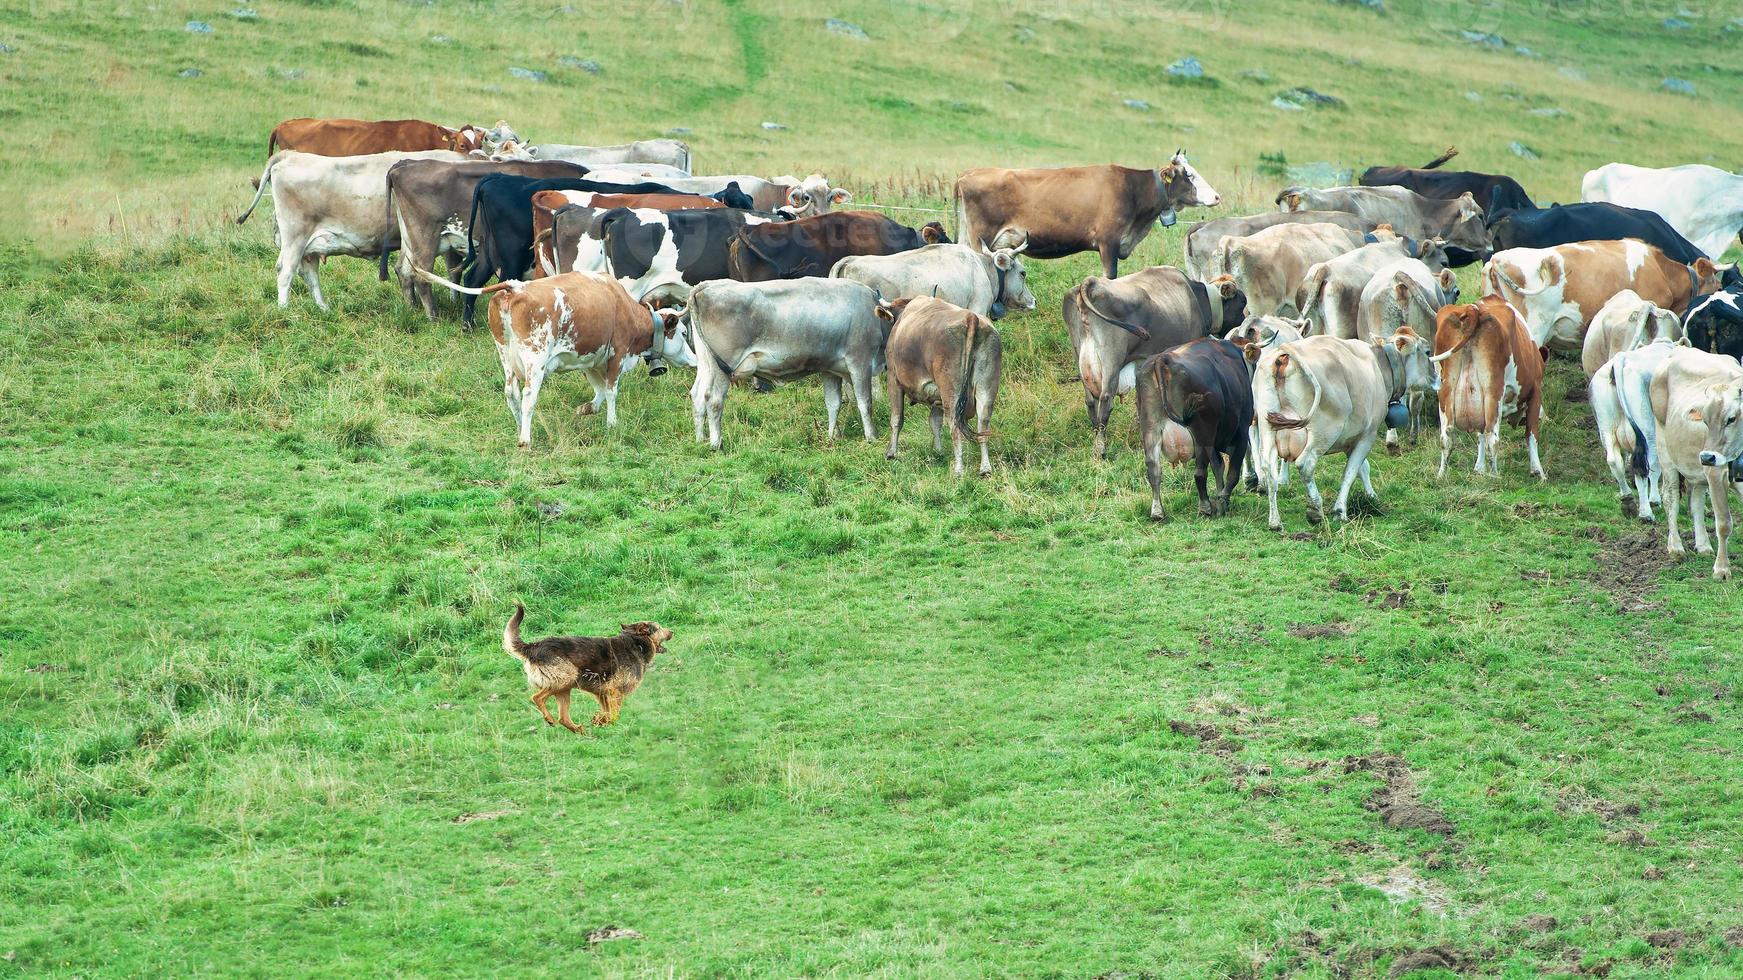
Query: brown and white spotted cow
[949, 358]
[1490, 369]
[1560, 289]
[577, 321]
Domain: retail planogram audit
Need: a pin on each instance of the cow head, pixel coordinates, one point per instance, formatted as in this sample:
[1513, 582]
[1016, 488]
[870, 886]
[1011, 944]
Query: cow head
[813, 195]
[1431, 252]
[933, 233]
[1466, 228]
[1259, 332]
[671, 339]
[1291, 199]
[1227, 303]
[1409, 351]
[1182, 187]
[507, 150]
[1709, 275]
[1011, 279]
[466, 139]
[1723, 417]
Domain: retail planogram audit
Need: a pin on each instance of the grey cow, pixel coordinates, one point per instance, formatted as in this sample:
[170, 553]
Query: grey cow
[1115, 323]
[1458, 222]
[782, 330]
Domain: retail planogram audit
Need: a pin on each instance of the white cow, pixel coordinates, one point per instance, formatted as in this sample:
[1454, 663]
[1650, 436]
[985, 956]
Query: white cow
[1704, 204]
[986, 282]
[1697, 399]
[673, 153]
[1621, 399]
[329, 206]
[1624, 323]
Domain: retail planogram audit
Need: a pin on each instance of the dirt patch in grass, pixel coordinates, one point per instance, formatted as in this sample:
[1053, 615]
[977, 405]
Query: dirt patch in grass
[1628, 567]
[1576, 800]
[1733, 937]
[1403, 884]
[1398, 801]
[1387, 598]
[1321, 631]
[1212, 740]
[1538, 923]
[1666, 939]
[606, 934]
[1432, 958]
[486, 815]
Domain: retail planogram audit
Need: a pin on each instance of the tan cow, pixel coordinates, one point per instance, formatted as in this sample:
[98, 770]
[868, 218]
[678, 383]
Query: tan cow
[1624, 323]
[1331, 292]
[577, 321]
[1061, 211]
[1489, 370]
[1560, 289]
[1270, 264]
[942, 355]
[1322, 395]
[1697, 399]
[357, 137]
[1405, 293]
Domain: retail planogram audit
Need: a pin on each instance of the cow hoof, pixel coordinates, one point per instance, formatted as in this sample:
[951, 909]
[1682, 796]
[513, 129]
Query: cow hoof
[1253, 486]
[1647, 519]
[1721, 574]
[1703, 549]
[890, 455]
[1278, 528]
[986, 471]
[1394, 449]
[524, 445]
[586, 409]
[1676, 550]
[762, 386]
[1158, 515]
[1207, 510]
[1315, 517]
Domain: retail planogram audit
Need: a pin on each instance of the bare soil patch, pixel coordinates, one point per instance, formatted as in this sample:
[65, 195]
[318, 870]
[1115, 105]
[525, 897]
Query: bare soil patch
[1398, 801]
[1629, 566]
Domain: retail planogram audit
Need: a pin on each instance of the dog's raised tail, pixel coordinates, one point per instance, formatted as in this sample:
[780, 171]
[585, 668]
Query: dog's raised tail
[511, 642]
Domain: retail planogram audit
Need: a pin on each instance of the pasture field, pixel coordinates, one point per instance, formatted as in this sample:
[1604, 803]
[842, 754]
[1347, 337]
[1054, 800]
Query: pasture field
[254, 714]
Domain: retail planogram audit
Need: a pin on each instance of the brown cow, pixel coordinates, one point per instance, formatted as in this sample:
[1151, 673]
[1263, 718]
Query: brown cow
[580, 321]
[546, 204]
[1560, 289]
[1490, 369]
[811, 246]
[1061, 211]
[356, 137]
[940, 354]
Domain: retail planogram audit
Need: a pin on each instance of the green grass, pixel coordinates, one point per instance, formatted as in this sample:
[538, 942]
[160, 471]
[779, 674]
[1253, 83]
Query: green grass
[909, 724]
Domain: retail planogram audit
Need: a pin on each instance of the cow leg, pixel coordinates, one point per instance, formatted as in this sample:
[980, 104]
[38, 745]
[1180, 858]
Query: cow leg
[937, 429]
[983, 411]
[832, 400]
[530, 400]
[717, 408]
[1201, 454]
[1446, 443]
[511, 390]
[1153, 471]
[289, 258]
[956, 430]
[1673, 537]
[1531, 447]
[1250, 460]
[1368, 481]
[1718, 489]
[898, 407]
[1698, 516]
[310, 267]
[1100, 411]
[862, 398]
[597, 379]
[1357, 463]
[1231, 475]
[1315, 504]
[1110, 258]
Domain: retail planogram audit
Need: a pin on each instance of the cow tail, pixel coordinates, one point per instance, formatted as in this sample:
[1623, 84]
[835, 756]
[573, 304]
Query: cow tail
[1160, 372]
[381, 271]
[1307, 298]
[1278, 373]
[472, 230]
[1637, 459]
[469, 290]
[272, 143]
[965, 377]
[1447, 154]
[265, 178]
[734, 264]
[962, 217]
[1498, 276]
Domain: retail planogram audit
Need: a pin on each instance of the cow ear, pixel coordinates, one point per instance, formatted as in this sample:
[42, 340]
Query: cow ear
[1447, 279]
[840, 196]
[885, 313]
[1704, 267]
[1694, 415]
[1226, 288]
[1401, 291]
[1293, 200]
[1167, 172]
[1002, 260]
[797, 197]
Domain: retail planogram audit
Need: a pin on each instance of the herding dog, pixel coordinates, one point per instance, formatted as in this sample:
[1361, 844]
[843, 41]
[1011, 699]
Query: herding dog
[607, 667]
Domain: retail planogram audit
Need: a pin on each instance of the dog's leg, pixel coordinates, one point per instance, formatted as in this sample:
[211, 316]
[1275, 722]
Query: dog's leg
[603, 717]
[563, 712]
[539, 703]
[615, 703]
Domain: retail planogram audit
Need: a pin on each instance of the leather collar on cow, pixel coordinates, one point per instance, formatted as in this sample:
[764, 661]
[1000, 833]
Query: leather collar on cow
[656, 365]
[1388, 356]
[1214, 298]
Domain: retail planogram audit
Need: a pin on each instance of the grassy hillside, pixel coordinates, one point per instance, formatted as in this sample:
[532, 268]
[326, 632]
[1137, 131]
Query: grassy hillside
[253, 713]
[109, 138]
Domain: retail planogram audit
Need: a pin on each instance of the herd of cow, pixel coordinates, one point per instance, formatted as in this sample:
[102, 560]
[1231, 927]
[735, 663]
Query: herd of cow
[1286, 336]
